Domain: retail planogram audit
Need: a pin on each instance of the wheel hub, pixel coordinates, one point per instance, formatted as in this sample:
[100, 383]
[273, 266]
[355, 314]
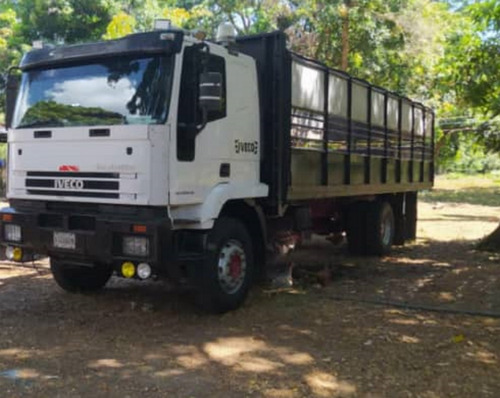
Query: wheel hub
[235, 266]
[232, 266]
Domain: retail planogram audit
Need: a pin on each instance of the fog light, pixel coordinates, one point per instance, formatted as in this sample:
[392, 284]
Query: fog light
[135, 246]
[128, 269]
[12, 232]
[143, 271]
[14, 253]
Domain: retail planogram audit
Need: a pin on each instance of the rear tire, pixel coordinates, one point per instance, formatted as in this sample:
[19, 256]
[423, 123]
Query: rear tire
[381, 228]
[76, 279]
[356, 228]
[226, 275]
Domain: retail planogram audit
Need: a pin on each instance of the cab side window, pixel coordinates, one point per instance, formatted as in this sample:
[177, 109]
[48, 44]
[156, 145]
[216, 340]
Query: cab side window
[189, 113]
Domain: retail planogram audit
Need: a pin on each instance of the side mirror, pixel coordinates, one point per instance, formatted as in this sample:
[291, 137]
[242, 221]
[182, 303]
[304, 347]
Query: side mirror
[11, 91]
[210, 98]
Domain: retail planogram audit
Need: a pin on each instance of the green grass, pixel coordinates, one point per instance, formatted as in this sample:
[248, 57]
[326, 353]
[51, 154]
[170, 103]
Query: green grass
[459, 188]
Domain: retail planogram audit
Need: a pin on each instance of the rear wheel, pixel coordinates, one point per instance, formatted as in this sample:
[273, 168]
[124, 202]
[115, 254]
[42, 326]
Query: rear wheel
[224, 279]
[79, 279]
[381, 228]
[356, 228]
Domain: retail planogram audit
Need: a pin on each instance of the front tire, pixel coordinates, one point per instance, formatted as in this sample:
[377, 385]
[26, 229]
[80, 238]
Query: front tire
[78, 279]
[223, 281]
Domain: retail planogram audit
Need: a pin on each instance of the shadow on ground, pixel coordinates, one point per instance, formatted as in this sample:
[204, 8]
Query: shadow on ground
[137, 339]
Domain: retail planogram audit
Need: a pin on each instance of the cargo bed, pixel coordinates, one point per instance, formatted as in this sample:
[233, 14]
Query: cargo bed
[327, 134]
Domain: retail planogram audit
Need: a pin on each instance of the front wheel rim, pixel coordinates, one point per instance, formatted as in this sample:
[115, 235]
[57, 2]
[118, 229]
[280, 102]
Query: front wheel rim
[231, 266]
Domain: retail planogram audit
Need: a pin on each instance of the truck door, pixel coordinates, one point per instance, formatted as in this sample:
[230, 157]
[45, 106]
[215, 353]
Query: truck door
[197, 165]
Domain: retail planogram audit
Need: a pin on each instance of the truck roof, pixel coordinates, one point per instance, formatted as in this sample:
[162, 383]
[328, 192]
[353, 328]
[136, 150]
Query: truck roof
[156, 42]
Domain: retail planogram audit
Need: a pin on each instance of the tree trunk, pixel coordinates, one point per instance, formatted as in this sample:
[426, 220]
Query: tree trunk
[345, 38]
[491, 242]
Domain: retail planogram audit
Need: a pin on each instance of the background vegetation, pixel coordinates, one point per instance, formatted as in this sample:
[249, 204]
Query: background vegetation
[443, 53]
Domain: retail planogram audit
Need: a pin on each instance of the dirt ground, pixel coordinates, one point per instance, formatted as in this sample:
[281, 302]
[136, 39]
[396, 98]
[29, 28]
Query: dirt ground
[423, 322]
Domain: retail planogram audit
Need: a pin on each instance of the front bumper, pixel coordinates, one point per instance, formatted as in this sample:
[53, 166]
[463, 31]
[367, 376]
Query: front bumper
[98, 231]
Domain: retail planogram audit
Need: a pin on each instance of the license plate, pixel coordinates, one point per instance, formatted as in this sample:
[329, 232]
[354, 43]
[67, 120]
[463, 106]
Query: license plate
[64, 240]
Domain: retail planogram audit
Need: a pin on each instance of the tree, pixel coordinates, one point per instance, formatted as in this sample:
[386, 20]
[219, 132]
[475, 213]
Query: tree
[472, 67]
[249, 16]
[67, 21]
[477, 77]
[10, 47]
[120, 25]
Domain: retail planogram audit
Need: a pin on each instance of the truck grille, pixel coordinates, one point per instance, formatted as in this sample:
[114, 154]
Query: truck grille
[84, 185]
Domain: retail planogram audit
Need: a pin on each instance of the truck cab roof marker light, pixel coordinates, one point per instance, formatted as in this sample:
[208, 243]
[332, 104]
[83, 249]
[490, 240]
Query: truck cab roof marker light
[163, 24]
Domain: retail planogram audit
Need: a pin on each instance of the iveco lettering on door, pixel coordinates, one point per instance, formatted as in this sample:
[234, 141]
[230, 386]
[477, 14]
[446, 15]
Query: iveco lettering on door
[246, 147]
[68, 183]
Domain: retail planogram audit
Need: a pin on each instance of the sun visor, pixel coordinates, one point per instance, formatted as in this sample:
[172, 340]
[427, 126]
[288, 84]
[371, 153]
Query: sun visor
[156, 42]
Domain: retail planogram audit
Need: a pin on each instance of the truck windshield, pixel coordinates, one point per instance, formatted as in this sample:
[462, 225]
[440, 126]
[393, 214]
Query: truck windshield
[120, 90]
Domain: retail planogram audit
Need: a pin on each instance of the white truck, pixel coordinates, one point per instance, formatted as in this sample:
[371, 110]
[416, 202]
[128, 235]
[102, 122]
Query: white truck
[160, 155]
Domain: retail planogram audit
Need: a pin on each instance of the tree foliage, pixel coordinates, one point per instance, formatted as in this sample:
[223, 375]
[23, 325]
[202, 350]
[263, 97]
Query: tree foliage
[444, 53]
[10, 45]
[471, 69]
[67, 21]
[120, 25]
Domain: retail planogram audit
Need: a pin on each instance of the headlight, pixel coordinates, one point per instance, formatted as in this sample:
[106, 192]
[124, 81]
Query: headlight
[143, 271]
[12, 232]
[135, 246]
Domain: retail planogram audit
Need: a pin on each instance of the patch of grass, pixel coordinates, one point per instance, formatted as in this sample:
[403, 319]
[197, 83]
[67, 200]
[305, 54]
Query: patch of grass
[459, 188]
[473, 196]
[458, 181]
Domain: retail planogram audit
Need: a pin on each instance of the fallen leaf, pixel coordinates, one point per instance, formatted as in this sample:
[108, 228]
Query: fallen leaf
[458, 338]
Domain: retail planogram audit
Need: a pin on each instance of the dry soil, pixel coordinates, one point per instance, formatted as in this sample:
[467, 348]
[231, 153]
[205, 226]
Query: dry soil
[423, 322]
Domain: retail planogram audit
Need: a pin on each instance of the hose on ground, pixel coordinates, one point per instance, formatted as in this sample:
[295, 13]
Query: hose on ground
[416, 307]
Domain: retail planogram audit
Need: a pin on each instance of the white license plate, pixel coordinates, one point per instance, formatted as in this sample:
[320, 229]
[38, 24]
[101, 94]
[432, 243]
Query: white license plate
[64, 240]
